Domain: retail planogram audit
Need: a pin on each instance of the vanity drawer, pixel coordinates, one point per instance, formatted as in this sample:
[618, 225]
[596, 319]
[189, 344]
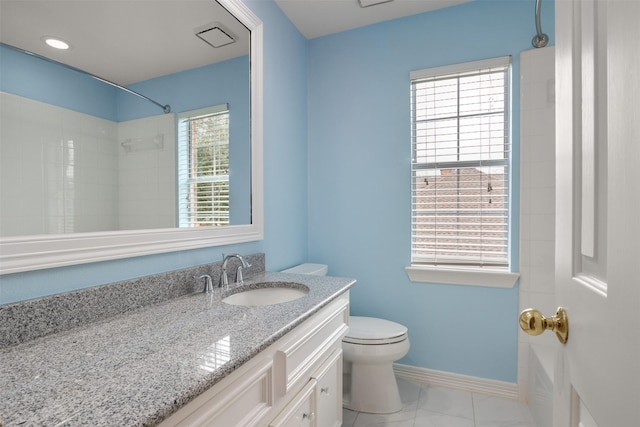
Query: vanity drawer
[301, 411]
[306, 348]
[245, 401]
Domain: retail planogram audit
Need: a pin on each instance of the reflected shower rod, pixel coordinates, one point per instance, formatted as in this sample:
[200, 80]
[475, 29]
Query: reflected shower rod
[166, 108]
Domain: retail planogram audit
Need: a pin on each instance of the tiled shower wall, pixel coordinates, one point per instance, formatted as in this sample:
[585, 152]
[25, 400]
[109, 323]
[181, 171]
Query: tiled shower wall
[58, 169]
[147, 172]
[537, 208]
[61, 171]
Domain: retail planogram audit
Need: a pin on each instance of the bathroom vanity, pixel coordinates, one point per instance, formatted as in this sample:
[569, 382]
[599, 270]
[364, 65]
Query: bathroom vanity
[295, 381]
[191, 360]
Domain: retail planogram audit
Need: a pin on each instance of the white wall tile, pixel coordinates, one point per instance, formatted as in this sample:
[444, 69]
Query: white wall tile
[537, 194]
[543, 280]
[543, 173]
[543, 201]
[147, 175]
[542, 254]
[542, 227]
[57, 165]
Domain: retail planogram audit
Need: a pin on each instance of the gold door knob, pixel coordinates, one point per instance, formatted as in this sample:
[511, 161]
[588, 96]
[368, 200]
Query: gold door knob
[534, 323]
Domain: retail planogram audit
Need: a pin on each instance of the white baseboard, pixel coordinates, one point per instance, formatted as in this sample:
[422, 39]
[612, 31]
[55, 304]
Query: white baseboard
[457, 381]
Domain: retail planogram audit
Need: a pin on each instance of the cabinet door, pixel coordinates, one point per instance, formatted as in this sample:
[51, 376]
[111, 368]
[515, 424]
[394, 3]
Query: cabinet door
[301, 411]
[329, 390]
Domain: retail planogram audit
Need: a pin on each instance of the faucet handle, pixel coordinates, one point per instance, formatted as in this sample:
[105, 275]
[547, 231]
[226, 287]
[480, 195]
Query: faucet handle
[208, 283]
[224, 279]
[239, 278]
[244, 262]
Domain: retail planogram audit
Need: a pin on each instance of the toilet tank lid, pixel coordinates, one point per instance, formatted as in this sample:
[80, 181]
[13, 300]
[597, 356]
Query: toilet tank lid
[309, 268]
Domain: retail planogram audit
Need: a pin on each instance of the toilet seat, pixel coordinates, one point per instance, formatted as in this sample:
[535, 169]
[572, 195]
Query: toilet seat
[374, 331]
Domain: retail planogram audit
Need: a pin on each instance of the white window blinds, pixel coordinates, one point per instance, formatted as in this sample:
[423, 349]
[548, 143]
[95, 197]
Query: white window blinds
[460, 164]
[203, 172]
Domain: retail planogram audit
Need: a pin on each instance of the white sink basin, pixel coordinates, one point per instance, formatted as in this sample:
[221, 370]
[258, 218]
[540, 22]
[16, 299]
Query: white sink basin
[267, 295]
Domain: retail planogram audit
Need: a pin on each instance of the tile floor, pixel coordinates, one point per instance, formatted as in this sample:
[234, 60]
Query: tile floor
[431, 406]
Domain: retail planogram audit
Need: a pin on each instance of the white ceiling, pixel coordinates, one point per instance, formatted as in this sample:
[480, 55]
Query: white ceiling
[128, 41]
[124, 41]
[316, 18]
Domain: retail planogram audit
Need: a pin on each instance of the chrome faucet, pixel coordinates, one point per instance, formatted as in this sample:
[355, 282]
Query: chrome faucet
[224, 277]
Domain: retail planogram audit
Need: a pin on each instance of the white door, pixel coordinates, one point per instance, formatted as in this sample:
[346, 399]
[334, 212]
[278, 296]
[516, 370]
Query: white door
[598, 212]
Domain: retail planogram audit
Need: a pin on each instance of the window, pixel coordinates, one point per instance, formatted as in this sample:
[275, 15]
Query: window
[460, 164]
[203, 172]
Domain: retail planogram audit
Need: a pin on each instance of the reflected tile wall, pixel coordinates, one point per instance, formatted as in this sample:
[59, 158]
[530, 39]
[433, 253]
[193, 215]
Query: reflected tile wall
[66, 172]
[147, 176]
[58, 169]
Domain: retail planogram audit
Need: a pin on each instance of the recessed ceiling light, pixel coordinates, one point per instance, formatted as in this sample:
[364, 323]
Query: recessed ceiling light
[56, 43]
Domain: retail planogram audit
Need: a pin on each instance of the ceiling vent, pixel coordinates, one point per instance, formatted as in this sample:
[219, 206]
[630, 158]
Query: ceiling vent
[215, 34]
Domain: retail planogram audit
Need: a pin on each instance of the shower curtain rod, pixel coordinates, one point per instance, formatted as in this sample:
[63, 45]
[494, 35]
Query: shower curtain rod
[540, 39]
[166, 108]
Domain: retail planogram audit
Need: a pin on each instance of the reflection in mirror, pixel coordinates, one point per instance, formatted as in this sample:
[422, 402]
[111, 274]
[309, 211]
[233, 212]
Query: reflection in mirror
[81, 155]
[95, 172]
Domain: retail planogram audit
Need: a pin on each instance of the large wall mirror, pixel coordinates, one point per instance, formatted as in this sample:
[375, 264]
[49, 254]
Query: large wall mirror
[143, 137]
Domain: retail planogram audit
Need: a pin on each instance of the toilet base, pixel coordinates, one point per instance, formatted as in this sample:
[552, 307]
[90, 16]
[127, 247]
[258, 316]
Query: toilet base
[373, 389]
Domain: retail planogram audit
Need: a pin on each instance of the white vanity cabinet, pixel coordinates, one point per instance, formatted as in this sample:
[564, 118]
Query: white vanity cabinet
[296, 381]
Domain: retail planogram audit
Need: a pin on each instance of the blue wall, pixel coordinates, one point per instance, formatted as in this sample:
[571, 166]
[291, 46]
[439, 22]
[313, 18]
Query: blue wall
[359, 178]
[227, 81]
[285, 137]
[34, 78]
[31, 77]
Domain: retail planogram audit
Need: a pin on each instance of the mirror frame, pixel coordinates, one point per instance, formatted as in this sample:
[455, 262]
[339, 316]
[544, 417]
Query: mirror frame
[26, 253]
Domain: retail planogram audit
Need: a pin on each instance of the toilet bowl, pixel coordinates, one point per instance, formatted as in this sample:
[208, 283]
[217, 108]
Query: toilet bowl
[369, 350]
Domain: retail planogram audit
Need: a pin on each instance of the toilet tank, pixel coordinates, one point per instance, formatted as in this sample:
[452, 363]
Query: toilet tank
[308, 268]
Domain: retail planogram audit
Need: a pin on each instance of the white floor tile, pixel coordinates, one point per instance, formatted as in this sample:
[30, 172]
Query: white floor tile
[348, 417]
[495, 412]
[456, 403]
[432, 406]
[401, 418]
[378, 423]
[435, 419]
[409, 394]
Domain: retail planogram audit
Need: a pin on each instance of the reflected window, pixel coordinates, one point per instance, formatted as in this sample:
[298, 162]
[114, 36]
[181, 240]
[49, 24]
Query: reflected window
[203, 167]
[217, 355]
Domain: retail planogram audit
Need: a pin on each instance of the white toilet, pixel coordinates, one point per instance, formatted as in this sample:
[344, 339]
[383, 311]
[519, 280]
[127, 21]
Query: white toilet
[369, 348]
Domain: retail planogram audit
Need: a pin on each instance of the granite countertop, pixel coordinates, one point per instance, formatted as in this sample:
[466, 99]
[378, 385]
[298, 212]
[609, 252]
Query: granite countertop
[137, 368]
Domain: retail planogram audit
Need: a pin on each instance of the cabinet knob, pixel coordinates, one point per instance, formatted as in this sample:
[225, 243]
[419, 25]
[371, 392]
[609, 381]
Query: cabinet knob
[309, 417]
[324, 390]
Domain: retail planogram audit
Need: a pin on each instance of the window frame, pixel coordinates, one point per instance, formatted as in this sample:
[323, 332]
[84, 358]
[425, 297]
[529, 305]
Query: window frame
[463, 273]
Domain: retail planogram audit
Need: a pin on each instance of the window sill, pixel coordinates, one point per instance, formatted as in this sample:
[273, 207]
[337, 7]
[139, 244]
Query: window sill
[486, 277]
